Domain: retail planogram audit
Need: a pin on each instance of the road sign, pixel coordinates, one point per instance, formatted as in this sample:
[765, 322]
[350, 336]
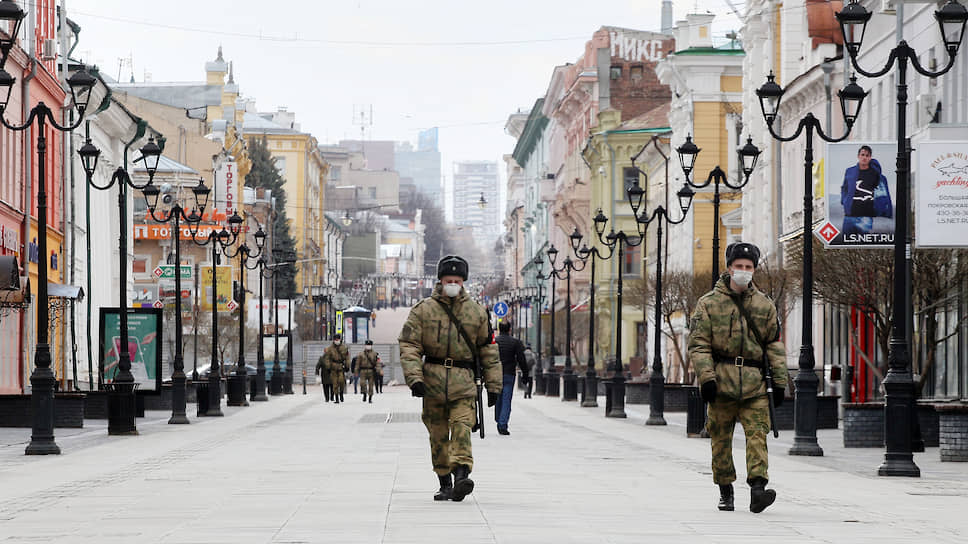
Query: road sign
[501, 309]
[158, 304]
[232, 305]
[167, 271]
[828, 231]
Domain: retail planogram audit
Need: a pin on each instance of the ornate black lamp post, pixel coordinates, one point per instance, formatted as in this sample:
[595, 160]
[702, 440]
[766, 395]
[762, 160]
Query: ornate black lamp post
[620, 240]
[899, 407]
[218, 240]
[551, 382]
[568, 265]
[590, 394]
[687, 158]
[175, 215]
[42, 380]
[237, 381]
[656, 379]
[806, 381]
[260, 374]
[539, 379]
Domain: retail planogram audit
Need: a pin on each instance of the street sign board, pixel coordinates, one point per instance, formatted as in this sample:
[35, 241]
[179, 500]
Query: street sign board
[158, 304]
[167, 271]
[232, 305]
[501, 309]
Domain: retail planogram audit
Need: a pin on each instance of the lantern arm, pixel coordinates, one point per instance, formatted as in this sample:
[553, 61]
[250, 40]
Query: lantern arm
[66, 128]
[39, 109]
[725, 180]
[576, 268]
[266, 272]
[163, 217]
[916, 64]
[826, 138]
[595, 252]
[250, 257]
[114, 177]
[803, 124]
[891, 59]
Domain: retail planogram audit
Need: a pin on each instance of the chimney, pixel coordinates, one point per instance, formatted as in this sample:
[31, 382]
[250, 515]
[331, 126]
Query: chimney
[667, 17]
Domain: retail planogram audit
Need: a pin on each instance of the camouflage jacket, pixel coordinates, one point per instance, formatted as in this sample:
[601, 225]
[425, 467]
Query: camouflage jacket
[718, 331]
[366, 361]
[336, 358]
[429, 332]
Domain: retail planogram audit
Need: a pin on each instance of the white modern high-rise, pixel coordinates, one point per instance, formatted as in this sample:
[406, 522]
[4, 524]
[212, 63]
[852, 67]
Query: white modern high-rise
[471, 180]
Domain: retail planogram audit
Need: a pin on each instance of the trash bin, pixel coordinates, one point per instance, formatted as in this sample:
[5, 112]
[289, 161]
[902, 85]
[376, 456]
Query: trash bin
[695, 413]
[608, 396]
[201, 397]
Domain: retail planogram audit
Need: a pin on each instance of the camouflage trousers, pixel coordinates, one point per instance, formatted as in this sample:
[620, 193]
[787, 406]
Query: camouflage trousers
[449, 425]
[753, 414]
[339, 382]
[366, 382]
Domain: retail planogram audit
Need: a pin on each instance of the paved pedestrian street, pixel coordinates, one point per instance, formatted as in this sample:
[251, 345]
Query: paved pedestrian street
[295, 470]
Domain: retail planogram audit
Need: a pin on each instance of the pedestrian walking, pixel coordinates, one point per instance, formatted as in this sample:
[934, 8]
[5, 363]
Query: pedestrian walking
[323, 370]
[335, 363]
[511, 351]
[734, 334]
[530, 361]
[446, 352]
[354, 376]
[365, 366]
[378, 374]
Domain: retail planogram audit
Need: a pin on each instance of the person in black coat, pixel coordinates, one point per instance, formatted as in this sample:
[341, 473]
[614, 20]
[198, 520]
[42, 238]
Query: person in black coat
[511, 351]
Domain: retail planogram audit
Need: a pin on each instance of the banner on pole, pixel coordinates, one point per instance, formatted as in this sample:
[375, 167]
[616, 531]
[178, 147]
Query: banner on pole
[941, 190]
[224, 279]
[860, 184]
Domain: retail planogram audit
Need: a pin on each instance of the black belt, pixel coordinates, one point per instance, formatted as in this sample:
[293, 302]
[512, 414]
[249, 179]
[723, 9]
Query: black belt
[738, 361]
[448, 362]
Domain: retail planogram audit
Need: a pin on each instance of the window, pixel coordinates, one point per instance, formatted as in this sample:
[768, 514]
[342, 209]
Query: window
[629, 176]
[372, 191]
[139, 265]
[280, 163]
[615, 72]
[640, 339]
[633, 261]
[335, 173]
[635, 73]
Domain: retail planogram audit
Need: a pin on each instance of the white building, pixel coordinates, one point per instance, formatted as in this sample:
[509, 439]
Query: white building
[472, 179]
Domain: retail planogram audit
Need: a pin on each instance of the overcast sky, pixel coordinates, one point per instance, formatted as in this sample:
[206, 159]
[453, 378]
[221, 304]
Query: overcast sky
[418, 63]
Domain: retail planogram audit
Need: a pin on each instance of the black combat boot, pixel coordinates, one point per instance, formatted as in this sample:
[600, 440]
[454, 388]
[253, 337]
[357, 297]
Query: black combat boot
[726, 497]
[341, 399]
[446, 491]
[463, 485]
[760, 496]
[364, 397]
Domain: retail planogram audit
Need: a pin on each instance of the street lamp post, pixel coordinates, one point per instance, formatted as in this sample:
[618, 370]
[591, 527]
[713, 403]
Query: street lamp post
[42, 380]
[656, 379]
[175, 215]
[237, 381]
[552, 384]
[687, 158]
[899, 406]
[590, 394]
[621, 240]
[806, 381]
[539, 381]
[218, 240]
[568, 265]
[260, 373]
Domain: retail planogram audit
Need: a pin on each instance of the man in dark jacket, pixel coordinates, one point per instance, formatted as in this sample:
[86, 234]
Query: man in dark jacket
[511, 351]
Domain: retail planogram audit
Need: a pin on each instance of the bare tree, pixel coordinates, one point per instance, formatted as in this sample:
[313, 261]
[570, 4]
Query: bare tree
[680, 293]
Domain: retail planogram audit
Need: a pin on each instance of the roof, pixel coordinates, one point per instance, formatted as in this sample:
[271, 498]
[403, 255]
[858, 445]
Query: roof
[167, 165]
[657, 117]
[729, 48]
[180, 95]
[253, 122]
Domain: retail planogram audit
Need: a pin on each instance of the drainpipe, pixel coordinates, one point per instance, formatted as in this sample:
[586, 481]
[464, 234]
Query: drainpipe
[778, 183]
[614, 265]
[28, 189]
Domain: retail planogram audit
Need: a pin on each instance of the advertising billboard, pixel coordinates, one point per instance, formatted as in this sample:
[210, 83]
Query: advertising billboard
[941, 190]
[860, 184]
[144, 345]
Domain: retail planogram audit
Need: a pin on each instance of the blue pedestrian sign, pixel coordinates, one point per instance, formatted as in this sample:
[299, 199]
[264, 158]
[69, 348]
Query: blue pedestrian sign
[501, 309]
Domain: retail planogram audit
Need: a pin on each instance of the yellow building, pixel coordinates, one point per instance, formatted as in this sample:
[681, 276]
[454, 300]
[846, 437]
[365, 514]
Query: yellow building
[301, 165]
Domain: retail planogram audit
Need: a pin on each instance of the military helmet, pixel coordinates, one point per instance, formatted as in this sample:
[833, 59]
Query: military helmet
[742, 250]
[452, 265]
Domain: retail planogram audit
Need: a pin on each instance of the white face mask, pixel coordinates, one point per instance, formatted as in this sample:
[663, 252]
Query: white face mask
[742, 278]
[337, 342]
[452, 289]
[368, 348]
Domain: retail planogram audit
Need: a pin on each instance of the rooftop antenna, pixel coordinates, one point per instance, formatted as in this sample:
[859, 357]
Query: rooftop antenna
[363, 116]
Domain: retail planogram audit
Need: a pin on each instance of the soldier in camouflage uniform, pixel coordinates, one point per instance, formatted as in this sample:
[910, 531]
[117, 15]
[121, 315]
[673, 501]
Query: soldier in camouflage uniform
[334, 362]
[365, 366]
[729, 363]
[438, 365]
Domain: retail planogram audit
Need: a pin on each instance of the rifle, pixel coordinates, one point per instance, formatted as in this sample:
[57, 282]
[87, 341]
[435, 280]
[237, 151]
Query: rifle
[478, 372]
[767, 370]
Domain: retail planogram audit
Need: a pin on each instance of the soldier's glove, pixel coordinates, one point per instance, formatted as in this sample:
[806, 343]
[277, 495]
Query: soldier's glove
[492, 398]
[418, 389]
[708, 391]
[777, 396]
